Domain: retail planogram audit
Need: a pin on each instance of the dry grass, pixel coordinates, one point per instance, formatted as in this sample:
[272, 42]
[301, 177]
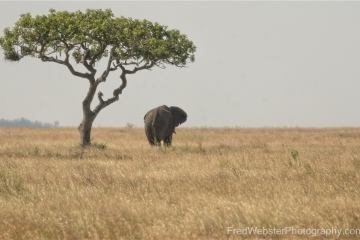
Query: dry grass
[211, 179]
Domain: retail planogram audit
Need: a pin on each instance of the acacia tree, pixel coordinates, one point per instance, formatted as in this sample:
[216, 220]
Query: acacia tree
[85, 38]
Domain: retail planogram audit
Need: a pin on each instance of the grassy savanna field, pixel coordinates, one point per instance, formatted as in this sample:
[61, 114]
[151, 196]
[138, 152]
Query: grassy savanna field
[209, 181]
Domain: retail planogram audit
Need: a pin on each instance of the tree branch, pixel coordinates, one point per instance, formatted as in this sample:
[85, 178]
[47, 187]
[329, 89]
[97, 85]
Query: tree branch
[105, 74]
[102, 104]
[65, 62]
[96, 55]
[145, 66]
[119, 90]
[116, 93]
[85, 58]
[100, 95]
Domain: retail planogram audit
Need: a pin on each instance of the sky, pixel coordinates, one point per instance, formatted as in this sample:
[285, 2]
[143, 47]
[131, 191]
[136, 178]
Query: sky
[258, 64]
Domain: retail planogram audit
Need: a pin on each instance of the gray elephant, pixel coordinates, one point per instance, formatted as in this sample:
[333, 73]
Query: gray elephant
[160, 124]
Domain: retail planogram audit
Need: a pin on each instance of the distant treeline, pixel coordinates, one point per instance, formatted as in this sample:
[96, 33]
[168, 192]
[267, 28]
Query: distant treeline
[23, 122]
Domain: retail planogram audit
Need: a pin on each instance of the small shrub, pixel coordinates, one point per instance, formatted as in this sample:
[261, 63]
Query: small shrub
[130, 125]
[224, 164]
[166, 149]
[356, 164]
[9, 186]
[35, 152]
[194, 149]
[97, 145]
[294, 154]
[308, 168]
[295, 158]
[18, 185]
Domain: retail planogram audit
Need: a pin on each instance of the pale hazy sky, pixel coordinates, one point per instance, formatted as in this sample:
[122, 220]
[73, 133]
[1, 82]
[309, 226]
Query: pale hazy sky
[258, 64]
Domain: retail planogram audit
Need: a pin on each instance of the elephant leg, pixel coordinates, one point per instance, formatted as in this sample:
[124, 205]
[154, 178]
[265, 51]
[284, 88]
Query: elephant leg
[150, 136]
[167, 141]
[157, 141]
[154, 142]
[159, 135]
[151, 141]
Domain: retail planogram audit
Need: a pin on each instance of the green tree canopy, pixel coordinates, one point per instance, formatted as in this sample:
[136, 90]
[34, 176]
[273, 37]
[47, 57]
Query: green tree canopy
[88, 37]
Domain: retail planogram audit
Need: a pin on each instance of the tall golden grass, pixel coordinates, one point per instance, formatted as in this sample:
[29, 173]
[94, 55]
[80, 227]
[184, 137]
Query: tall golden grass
[211, 184]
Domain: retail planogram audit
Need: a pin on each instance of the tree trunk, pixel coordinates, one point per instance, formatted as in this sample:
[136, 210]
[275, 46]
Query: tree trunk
[90, 115]
[85, 129]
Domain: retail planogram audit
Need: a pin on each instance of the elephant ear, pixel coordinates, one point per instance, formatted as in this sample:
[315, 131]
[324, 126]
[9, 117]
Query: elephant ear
[179, 115]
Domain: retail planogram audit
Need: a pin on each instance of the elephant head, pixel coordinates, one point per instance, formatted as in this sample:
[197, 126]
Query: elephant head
[179, 116]
[160, 123]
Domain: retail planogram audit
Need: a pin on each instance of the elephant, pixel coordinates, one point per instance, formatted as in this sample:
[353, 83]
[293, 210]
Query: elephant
[160, 124]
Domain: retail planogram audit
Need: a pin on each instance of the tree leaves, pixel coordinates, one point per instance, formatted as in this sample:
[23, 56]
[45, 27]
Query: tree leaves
[88, 36]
